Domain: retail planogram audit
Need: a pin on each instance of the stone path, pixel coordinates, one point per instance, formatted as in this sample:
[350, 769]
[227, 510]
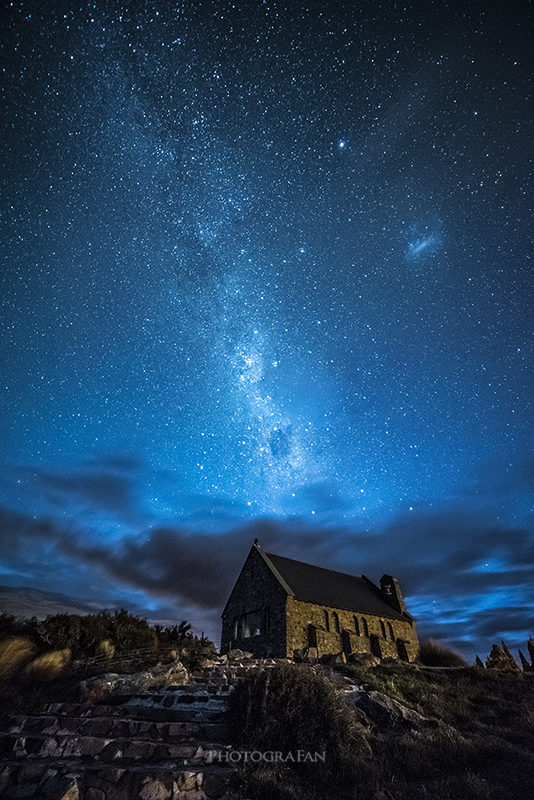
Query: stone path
[148, 746]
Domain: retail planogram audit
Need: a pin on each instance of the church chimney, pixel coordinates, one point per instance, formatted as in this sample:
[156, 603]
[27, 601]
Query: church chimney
[391, 593]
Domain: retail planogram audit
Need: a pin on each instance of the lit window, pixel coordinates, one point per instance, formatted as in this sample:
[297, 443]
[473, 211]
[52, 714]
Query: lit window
[252, 624]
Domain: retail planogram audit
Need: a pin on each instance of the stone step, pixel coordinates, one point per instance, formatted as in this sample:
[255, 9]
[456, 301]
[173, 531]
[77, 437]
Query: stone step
[51, 781]
[208, 686]
[153, 708]
[116, 727]
[128, 747]
[127, 750]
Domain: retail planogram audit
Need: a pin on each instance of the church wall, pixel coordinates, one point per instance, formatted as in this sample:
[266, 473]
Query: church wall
[256, 589]
[302, 615]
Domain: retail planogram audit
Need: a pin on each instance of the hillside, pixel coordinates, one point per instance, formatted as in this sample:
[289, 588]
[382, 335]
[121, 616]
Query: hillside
[387, 732]
[415, 733]
[24, 601]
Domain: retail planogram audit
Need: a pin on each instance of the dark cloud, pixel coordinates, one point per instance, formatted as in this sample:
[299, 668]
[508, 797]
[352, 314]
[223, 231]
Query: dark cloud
[124, 462]
[469, 574]
[491, 623]
[109, 491]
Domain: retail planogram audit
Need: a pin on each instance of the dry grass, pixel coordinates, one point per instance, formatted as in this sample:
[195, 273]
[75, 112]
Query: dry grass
[291, 708]
[481, 748]
[47, 667]
[15, 653]
[434, 654]
[105, 649]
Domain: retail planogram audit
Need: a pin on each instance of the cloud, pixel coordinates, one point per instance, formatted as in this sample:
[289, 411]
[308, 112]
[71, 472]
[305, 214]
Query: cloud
[466, 567]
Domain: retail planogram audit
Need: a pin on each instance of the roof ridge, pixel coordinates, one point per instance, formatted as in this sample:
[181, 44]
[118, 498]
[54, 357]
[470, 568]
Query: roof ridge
[317, 566]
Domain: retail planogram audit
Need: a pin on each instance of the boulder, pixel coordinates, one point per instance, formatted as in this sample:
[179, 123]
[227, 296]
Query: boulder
[333, 659]
[385, 711]
[154, 789]
[363, 660]
[188, 781]
[307, 655]
[239, 655]
[59, 787]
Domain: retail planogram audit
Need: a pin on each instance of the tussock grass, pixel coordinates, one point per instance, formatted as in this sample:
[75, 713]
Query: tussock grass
[481, 746]
[105, 649]
[15, 653]
[48, 667]
[290, 708]
[434, 654]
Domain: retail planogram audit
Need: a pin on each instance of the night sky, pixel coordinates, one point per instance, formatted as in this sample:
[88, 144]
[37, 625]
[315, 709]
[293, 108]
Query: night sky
[266, 271]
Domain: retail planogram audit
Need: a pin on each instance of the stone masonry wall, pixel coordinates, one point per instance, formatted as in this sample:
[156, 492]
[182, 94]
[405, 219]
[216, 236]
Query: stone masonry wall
[300, 616]
[255, 589]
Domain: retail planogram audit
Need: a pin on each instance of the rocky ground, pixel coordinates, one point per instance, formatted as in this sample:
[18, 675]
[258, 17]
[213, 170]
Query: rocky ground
[461, 733]
[120, 743]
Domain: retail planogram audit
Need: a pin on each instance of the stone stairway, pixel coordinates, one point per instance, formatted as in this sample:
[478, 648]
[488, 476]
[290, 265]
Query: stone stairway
[154, 745]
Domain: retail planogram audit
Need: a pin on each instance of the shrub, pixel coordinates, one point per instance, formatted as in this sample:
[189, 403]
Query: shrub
[434, 654]
[59, 631]
[501, 659]
[105, 649]
[14, 655]
[48, 666]
[290, 708]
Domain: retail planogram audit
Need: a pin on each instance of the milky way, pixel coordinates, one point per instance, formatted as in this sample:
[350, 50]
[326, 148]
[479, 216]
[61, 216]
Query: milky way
[267, 267]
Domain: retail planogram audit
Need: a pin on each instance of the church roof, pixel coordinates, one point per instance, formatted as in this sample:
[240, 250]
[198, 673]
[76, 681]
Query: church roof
[326, 587]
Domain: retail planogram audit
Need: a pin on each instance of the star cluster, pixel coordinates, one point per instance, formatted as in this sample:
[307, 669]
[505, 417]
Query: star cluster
[269, 262]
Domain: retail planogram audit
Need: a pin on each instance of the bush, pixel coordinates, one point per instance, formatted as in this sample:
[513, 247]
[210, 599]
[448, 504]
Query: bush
[48, 666]
[14, 655]
[501, 659]
[105, 649]
[434, 654]
[290, 708]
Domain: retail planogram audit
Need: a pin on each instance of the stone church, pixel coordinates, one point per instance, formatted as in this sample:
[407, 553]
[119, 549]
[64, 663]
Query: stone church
[279, 606]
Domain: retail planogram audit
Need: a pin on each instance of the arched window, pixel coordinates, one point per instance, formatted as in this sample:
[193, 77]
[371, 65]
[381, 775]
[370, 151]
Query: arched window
[391, 634]
[383, 628]
[336, 621]
[365, 628]
[356, 626]
[326, 620]
[235, 627]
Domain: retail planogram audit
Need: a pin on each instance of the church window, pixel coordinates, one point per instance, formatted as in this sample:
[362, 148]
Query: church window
[252, 624]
